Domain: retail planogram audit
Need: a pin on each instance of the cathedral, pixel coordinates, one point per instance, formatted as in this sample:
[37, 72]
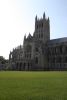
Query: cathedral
[38, 52]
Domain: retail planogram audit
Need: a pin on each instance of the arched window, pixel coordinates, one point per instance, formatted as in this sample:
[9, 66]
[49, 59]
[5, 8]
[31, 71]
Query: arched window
[28, 48]
[36, 60]
[24, 64]
[37, 26]
[41, 35]
[36, 49]
[42, 25]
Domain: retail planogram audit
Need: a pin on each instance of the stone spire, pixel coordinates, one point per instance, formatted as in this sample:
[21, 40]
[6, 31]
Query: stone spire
[36, 18]
[44, 15]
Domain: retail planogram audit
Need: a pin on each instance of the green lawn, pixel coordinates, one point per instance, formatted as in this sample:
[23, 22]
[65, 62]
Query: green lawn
[33, 85]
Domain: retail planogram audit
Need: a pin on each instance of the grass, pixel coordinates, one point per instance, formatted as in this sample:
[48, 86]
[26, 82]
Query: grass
[33, 85]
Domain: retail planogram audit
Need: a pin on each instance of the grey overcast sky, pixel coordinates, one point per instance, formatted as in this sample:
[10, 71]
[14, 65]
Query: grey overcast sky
[17, 18]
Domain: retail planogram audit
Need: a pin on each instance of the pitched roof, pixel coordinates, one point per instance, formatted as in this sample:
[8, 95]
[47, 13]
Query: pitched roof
[57, 41]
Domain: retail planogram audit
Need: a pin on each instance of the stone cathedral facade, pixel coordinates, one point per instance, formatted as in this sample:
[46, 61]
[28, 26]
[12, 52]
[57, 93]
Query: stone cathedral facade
[38, 52]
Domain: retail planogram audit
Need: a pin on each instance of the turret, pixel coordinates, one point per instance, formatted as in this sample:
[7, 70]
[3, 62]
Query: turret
[36, 18]
[25, 37]
[44, 15]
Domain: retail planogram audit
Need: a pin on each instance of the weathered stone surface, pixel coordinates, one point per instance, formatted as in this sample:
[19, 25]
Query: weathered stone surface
[38, 52]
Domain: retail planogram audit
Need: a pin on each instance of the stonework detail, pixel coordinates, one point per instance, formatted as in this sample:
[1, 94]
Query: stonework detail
[38, 52]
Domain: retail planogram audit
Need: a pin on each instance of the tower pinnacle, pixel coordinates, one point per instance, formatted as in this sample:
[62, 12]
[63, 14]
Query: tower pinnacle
[36, 18]
[44, 15]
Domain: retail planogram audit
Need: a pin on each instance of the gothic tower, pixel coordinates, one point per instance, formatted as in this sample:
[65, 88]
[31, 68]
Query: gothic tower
[42, 29]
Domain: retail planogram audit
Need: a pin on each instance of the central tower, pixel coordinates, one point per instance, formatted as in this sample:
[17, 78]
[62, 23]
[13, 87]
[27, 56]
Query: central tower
[42, 29]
